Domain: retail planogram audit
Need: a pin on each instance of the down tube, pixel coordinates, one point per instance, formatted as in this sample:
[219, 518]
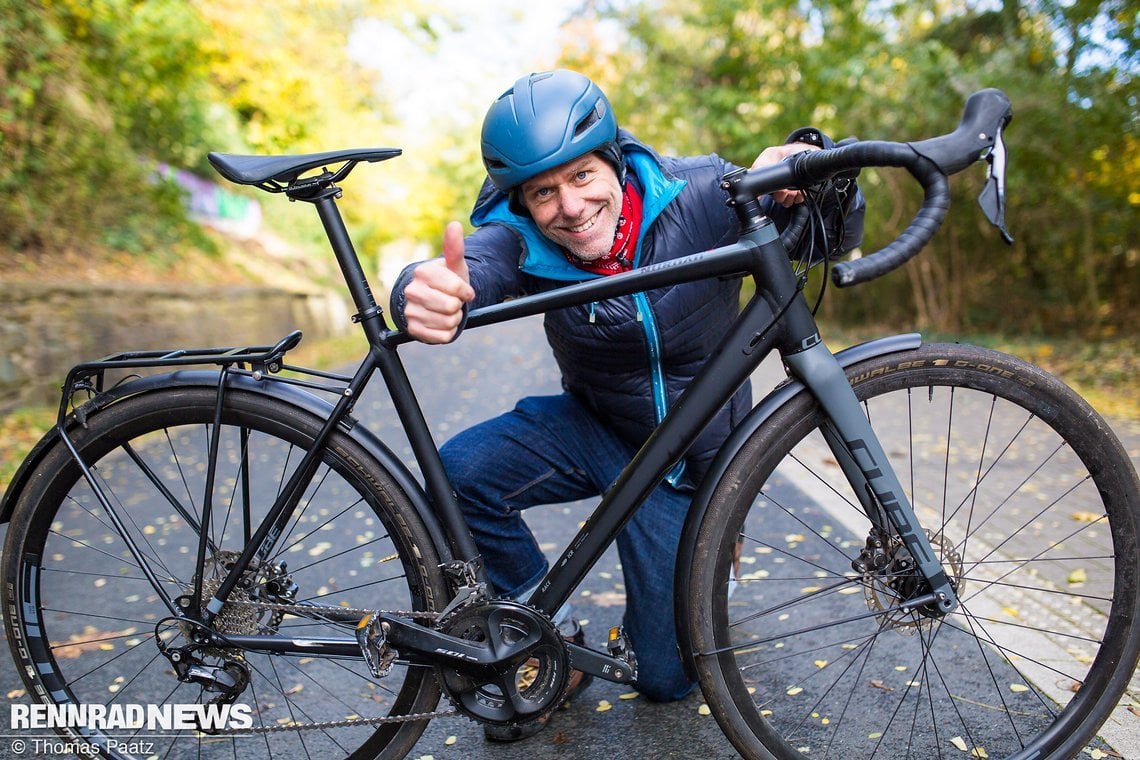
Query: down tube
[730, 365]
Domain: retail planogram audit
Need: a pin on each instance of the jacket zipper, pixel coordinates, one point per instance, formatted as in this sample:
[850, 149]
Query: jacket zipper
[656, 372]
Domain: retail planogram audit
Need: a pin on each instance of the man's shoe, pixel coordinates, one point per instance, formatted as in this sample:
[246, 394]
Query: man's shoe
[527, 673]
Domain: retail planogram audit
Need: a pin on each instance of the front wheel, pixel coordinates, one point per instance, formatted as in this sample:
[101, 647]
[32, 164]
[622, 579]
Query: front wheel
[90, 593]
[1032, 505]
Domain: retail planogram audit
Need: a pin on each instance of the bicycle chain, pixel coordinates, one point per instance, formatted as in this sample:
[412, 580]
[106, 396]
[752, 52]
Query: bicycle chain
[347, 722]
[298, 609]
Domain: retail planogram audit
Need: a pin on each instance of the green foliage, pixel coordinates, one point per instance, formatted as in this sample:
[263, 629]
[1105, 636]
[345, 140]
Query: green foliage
[75, 171]
[96, 94]
[753, 71]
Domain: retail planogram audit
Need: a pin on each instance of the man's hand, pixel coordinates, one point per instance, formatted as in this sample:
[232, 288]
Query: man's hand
[438, 290]
[775, 155]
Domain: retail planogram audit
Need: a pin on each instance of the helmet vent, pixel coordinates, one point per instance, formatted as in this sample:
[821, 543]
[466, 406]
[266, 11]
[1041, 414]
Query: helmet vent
[590, 120]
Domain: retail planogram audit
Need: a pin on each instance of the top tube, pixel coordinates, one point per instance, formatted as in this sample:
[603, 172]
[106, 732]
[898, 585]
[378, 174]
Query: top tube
[739, 258]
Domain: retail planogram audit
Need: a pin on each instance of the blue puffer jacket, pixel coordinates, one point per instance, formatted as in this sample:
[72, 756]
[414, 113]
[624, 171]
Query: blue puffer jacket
[627, 358]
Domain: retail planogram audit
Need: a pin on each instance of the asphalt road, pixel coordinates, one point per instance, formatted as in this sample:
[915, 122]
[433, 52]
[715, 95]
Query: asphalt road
[474, 379]
[487, 372]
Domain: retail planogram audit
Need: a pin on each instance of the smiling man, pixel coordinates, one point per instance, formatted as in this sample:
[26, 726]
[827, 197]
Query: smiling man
[578, 206]
[571, 197]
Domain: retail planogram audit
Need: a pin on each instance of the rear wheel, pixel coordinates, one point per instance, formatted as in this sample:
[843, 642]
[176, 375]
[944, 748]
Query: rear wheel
[1032, 506]
[91, 618]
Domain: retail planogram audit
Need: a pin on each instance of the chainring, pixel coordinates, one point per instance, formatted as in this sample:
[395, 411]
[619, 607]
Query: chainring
[532, 668]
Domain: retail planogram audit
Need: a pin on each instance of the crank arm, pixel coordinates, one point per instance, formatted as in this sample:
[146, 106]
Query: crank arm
[416, 642]
[601, 665]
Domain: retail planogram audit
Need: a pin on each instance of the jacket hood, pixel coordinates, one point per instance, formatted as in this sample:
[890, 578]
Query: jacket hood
[543, 258]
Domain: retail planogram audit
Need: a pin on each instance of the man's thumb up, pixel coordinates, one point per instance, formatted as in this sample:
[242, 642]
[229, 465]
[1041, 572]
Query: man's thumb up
[453, 250]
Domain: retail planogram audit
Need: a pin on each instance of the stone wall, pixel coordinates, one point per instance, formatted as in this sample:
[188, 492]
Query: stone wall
[46, 329]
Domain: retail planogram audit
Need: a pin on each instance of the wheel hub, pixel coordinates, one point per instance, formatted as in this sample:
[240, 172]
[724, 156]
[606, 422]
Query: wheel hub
[893, 578]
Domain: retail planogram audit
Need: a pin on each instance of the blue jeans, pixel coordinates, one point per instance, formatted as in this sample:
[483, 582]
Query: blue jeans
[551, 450]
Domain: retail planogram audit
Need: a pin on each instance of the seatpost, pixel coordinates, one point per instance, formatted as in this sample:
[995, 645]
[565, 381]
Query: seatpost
[383, 356]
[368, 313]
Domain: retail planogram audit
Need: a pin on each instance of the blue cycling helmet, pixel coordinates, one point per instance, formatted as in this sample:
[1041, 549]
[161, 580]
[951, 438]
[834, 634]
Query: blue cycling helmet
[543, 121]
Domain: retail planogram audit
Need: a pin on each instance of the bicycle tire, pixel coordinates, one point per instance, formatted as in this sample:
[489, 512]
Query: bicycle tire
[1028, 498]
[84, 623]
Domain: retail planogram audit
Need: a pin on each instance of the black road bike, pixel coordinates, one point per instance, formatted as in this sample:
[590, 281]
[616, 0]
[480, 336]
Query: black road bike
[905, 550]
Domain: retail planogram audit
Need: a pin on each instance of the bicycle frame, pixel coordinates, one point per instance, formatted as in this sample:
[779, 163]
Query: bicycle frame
[776, 318]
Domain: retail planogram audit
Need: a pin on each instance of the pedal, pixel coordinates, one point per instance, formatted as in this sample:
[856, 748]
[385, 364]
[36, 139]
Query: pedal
[620, 649]
[372, 636]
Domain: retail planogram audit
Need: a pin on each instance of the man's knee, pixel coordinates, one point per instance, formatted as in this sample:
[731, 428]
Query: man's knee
[466, 480]
[455, 459]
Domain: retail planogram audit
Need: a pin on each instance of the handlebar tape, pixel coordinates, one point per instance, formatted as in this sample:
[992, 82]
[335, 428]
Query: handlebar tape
[929, 161]
[811, 167]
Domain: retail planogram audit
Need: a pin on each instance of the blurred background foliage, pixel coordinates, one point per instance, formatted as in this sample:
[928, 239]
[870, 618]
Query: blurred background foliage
[95, 93]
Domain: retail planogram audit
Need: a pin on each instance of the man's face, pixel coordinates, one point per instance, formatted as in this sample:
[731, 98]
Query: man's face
[577, 205]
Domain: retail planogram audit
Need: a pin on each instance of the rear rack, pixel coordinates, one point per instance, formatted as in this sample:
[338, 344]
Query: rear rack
[221, 356]
[90, 377]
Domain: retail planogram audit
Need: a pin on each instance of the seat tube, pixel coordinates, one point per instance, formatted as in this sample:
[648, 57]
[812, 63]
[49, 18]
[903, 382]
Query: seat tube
[818, 369]
[384, 357]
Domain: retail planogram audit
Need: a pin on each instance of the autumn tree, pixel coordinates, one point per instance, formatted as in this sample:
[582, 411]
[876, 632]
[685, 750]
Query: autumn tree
[752, 71]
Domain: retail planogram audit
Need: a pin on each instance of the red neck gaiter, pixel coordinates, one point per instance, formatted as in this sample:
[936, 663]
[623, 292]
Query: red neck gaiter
[620, 257]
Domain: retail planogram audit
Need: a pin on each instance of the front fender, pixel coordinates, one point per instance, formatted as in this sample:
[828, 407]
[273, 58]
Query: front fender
[782, 394]
[280, 392]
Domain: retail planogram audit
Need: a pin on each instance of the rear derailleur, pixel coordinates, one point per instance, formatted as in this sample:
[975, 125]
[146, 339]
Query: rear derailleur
[228, 679]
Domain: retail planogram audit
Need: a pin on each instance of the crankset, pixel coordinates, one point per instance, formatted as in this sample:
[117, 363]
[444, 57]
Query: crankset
[531, 666]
